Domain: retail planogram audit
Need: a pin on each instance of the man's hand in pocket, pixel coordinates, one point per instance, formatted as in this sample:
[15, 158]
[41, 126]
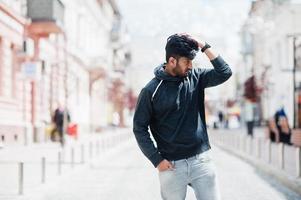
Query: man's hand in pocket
[165, 165]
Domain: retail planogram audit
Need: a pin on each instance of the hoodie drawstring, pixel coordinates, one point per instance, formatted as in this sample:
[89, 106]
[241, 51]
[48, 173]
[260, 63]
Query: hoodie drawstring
[153, 96]
[188, 82]
[156, 90]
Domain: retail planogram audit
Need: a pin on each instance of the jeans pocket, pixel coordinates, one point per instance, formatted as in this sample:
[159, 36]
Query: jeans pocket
[167, 170]
[204, 157]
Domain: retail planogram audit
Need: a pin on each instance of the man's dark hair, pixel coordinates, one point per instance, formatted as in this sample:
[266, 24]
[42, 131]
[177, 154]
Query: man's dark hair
[181, 45]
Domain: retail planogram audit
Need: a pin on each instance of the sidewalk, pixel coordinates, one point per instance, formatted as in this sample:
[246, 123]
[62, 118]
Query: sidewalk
[277, 160]
[72, 155]
[125, 174]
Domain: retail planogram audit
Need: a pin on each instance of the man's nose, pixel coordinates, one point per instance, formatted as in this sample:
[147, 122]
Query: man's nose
[190, 65]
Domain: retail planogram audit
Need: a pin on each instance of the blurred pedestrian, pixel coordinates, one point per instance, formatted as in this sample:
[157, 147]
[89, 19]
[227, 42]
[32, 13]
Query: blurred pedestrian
[249, 117]
[272, 130]
[221, 118]
[172, 105]
[58, 120]
[283, 126]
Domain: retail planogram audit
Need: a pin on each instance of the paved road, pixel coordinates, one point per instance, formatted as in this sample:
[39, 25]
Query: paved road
[124, 174]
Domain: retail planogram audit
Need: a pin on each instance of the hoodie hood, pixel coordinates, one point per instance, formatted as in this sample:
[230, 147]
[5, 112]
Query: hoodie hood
[161, 74]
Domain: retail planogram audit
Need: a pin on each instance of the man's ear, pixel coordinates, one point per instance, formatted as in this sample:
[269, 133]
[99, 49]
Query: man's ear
[172, 62]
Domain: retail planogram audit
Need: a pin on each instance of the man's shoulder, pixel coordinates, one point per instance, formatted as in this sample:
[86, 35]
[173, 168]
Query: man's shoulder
[151, 85]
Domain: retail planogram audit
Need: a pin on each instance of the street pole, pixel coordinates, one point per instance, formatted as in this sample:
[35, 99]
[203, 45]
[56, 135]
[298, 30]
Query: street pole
[65, 121]
[295, 102]
[296, 117]
[294, 83]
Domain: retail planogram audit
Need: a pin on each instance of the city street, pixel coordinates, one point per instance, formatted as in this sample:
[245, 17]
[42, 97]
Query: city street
[124, 173]
[82, 83]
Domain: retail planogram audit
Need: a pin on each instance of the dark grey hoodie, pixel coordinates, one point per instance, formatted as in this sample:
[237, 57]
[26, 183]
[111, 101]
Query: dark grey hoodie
[173, 108]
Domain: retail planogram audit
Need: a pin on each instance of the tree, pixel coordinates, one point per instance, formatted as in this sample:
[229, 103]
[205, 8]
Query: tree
[250, 89]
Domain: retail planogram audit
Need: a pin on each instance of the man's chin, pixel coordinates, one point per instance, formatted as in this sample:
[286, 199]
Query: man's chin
[186, 74]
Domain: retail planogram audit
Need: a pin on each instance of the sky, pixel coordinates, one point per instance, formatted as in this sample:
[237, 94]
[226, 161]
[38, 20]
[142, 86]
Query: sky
[150, 22]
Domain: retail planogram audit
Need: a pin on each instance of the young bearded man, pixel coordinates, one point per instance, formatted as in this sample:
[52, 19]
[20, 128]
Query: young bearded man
[172, 106]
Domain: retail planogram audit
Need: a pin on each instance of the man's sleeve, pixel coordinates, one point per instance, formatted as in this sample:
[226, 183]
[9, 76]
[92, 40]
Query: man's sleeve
[141, 122]
[216, 76]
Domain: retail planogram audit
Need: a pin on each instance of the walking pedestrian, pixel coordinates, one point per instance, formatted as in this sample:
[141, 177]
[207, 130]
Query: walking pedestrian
[172, 105]
[220, 115]
[58, 120]
[249, 117]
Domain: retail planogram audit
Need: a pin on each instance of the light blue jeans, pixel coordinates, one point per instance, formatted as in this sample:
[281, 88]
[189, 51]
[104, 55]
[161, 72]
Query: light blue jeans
[197, 171]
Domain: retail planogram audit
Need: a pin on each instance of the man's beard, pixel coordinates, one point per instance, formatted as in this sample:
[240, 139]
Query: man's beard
[178, 72]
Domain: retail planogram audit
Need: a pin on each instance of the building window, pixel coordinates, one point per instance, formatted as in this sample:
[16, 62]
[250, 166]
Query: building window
[13, 70]
[78, 92]
[1, 66]
[7, 69]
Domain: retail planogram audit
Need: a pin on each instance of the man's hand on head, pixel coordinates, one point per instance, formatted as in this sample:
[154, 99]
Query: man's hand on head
[201, 44]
